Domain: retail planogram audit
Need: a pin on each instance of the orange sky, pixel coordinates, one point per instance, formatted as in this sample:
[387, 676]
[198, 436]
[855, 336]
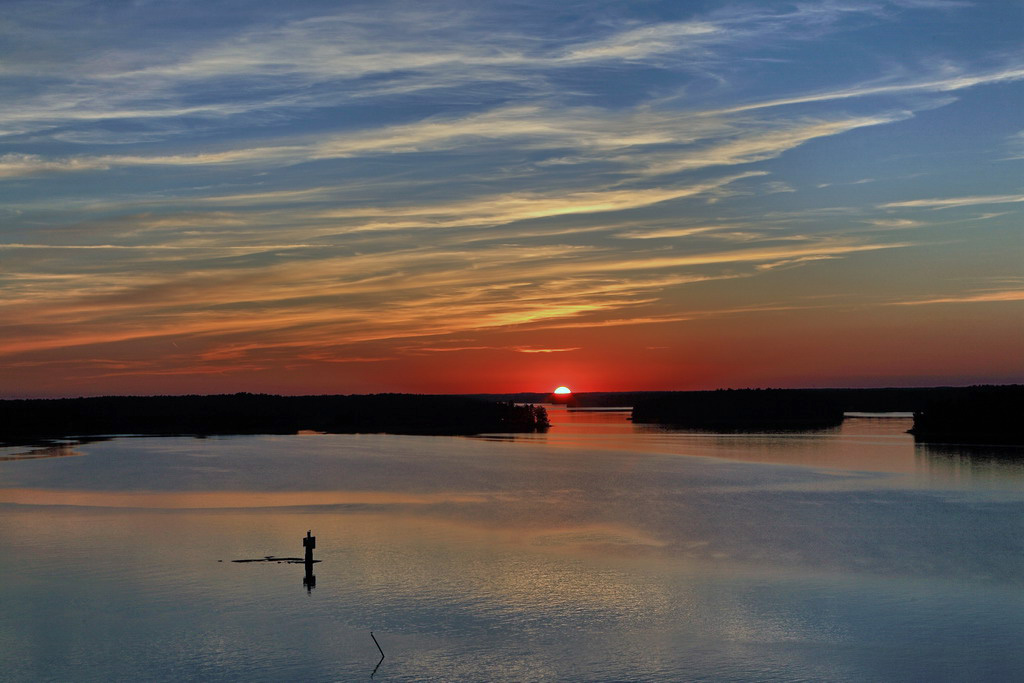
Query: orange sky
[317, 199]
[926, 345]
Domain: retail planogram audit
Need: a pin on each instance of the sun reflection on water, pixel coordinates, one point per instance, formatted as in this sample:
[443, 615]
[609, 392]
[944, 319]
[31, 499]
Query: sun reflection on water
[597, 551]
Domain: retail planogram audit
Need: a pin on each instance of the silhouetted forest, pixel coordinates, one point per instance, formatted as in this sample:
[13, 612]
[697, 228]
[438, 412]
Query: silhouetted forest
[978, 415]
[742, 409]
[244, 413]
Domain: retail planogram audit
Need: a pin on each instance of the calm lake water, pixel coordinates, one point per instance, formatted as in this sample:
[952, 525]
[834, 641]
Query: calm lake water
[598, 551]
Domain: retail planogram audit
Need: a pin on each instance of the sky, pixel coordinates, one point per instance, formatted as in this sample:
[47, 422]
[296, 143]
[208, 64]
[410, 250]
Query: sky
[467, 197]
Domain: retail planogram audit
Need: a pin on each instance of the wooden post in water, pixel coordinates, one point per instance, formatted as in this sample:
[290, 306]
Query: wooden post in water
[309, 542]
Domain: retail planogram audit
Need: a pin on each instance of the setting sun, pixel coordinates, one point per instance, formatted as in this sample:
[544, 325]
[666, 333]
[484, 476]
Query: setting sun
[562, 391]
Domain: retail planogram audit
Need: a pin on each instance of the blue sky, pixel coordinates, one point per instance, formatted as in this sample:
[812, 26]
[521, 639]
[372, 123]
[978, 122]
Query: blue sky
[351, 197]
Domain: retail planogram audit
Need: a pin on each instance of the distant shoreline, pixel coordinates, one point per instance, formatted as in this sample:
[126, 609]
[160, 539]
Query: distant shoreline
[986, 414]
[32, 420]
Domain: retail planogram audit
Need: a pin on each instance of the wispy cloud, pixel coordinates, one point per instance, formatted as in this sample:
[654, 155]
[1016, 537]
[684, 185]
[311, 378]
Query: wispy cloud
[15, 165]
[429, 292]
[292, 62]
[640, 141]
[653, 143]
[967, 298]
[895, 223]
[302, 184]
[670, 233]
[510, 208]
[644, 42]
[761, 142]
[298, 65]
[954, 202]
[937, 85]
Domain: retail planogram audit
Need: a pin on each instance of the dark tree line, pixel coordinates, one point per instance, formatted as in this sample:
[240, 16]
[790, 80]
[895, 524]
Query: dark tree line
[741, 409]
[263, 414]
[976, 414]
[980, 415]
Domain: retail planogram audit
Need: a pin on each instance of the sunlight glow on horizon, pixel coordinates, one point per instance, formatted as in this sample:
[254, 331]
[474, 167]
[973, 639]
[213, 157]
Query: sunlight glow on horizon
[653, 197]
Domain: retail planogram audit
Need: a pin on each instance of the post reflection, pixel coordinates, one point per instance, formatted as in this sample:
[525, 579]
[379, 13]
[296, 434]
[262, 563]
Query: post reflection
[309, 580]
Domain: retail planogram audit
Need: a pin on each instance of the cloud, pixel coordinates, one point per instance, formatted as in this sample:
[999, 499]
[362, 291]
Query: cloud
[948, 84]
[299, 64]
[327, 61]
[1016, 144]
[1001, 296]
[337, 298]
[825, 249]
[954, 202]
[513, 207]
[862, 181]
[895, 223]
[16, 165]
[537, 126]
[650, 142]
[777, 186]
[517, 349]
[670, 233]
[299, 189]
[933, 4]
[644, 42]
[759, 143]
[638, 143]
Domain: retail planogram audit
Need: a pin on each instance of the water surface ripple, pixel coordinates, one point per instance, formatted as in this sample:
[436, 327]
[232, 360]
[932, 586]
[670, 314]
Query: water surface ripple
[601, 550]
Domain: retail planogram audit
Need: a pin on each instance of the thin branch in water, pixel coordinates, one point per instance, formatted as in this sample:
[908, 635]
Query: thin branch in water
[381, 654]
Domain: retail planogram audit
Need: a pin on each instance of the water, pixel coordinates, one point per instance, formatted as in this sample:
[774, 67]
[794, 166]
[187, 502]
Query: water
[599, 551]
